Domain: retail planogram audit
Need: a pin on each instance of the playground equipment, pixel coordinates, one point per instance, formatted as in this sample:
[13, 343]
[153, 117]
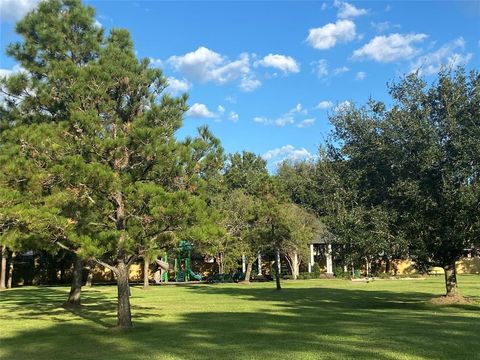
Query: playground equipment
[181, 267]
[164, 267]
[183, 272]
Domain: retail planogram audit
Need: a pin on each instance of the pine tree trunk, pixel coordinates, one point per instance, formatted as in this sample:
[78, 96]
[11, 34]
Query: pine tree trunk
[89, 281]
[450, 279]
[10, 273]
[146, 263]
[76, 288]
[248, 271]
[3, 274]
[220, 263]
[124, 316]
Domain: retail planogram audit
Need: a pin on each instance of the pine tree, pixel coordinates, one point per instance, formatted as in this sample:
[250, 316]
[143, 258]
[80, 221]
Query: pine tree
[94, 126]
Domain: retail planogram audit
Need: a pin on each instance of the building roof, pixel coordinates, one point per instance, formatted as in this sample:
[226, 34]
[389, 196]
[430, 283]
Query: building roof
[319, 239]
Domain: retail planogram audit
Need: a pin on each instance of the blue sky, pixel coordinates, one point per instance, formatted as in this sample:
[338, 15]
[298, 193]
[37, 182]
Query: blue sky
[265, 75]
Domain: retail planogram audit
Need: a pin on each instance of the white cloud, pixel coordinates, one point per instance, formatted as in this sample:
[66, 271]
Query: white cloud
[13, 10]
[324, 6]
[306, 123]
[249, 83]
[204, 65]
[199, 111]
[220, 109]
[343, 106]
[287, 64]
[322, 69]
[325, 104]
[15, 69]
[5, 72]
[340, 70]
[390, 48]
[327, 36]
[156, 62]
[233, 116]
[360, 75]
[198, 65]
[286, 119]
[231, 70]
[231, 99]
[287, 152]
[298, 109]
[282, 121]
[383, 26]
[449, 55]
[346, 10]
[177, 86]
[260, 120]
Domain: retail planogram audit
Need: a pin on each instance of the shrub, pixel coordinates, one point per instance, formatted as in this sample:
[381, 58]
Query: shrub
[327, 276]
[221, 278]
[340, 273]
[305, 276]
[316, 270]
[384, 275]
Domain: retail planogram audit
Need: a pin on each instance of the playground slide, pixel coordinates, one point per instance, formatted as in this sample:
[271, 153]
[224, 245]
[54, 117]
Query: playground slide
[194, 276]
[162, 264]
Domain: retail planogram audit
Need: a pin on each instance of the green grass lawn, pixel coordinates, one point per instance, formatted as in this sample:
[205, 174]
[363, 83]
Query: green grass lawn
[312, 319]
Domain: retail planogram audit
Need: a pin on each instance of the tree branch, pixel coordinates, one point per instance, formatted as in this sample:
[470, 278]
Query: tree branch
[63, 246]
[130, 260]
[110, 267]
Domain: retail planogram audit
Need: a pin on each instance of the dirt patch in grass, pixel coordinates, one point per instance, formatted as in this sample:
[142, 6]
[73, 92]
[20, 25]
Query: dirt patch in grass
[450, 300]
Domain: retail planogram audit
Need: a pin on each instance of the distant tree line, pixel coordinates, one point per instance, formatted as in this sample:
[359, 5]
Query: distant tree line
[401, 180]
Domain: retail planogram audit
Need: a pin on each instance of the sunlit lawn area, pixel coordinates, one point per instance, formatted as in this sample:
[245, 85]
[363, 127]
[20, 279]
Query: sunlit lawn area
[312, 319]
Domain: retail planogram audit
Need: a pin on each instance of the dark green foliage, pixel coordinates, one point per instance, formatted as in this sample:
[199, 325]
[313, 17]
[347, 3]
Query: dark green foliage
[339, 273]
[316, 270]
[246, 171]
[405, 181]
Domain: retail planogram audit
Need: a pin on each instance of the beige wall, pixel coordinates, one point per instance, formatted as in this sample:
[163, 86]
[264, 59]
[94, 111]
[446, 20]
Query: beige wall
[103, 275]
[464, 266]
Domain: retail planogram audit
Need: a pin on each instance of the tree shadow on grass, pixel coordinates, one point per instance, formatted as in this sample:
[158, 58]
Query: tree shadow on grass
[49, 302]
[341, 298]
[297, 323]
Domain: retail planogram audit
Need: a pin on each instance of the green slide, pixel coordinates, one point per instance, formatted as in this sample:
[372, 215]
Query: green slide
[194, 276]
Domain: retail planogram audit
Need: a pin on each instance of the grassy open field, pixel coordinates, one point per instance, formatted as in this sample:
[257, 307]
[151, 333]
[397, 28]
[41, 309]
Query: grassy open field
[312, 319]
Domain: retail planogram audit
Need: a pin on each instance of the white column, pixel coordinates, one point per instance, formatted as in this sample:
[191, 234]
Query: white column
[259, 260]
[279, 266]
[295, 265]
[329, 259]
[312, 260]
[244, 266]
